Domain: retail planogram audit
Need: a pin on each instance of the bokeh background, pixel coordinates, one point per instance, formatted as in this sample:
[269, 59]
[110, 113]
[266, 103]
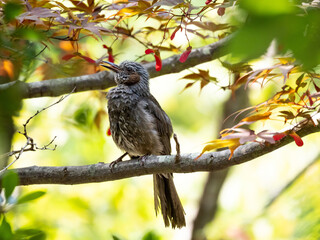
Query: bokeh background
[124, 209]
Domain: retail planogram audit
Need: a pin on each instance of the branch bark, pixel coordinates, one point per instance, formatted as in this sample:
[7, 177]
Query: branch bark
[101, 172]
[103, 80]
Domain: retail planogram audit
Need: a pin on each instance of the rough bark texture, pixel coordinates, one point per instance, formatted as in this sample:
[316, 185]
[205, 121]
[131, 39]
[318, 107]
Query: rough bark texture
[103, 80]
[101, 172]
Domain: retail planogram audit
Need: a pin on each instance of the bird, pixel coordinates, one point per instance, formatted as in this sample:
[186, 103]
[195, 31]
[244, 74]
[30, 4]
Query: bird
[140, 127]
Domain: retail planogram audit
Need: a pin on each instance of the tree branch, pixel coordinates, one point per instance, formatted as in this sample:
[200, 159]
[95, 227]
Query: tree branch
[103, 80]
[101, 172]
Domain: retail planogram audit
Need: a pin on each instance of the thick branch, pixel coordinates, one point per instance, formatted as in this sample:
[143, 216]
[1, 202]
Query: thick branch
[103, 80]
[101, 172]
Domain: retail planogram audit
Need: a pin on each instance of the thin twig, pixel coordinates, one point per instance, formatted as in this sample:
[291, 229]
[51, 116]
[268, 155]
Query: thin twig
[30, 145]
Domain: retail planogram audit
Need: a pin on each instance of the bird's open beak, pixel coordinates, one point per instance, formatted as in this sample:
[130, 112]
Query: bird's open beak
[112, 66]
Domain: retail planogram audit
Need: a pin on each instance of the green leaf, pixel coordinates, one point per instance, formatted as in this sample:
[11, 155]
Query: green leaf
[253, 39]
[151, 236]
[29, 34]
[114, 237]
[30, 196]
[11, 10]
[31, 234]
[267, 7]
[9, 181]
[5, 230]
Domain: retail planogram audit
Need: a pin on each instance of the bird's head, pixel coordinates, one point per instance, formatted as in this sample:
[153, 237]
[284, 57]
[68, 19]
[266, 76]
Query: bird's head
[129, 73]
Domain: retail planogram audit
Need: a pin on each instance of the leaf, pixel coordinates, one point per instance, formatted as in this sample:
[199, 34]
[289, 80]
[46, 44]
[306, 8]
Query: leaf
[67, 57]
[168, 2]
[9, 181]
[151, 235]
[256, 117]
[286, 60]
[5, 230]
[30, 196]
[187, 86]
[89, 60]
[267, 136]
[316, 87]
[267, 7]
[185, 54]
[287, 114]
[244, 135]
[203, 83]
[310, 98]
[11, 10]
[32, 234]
[79, 5]
[193, 76]
[7, 69]
[232, 144]
[114, 237]
[210, 26]
[299, 79]
[90, 2]
[297, 139]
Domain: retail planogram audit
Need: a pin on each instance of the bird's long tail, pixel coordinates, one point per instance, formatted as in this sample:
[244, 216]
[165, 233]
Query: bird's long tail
[167, 200]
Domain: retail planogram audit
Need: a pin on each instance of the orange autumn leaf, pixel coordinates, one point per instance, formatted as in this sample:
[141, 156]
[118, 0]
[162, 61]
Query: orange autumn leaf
[232, 144]
[66, 46]
[7, 68]
[256, 117]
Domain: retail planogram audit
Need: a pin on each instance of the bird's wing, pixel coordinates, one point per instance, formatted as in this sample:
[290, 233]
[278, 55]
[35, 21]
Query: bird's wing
[162, 121]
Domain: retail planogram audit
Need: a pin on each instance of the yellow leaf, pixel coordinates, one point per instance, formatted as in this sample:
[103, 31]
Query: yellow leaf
[257, 117]
[287, 60]
[232, 144]
[7, 69]
[61, 32]
[66, 46]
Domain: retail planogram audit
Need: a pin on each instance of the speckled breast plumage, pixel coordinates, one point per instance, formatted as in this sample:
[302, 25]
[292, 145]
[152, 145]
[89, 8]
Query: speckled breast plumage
[132, 128]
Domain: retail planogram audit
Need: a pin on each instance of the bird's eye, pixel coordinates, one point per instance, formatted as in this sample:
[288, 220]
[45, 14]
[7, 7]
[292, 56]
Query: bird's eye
[130, 70]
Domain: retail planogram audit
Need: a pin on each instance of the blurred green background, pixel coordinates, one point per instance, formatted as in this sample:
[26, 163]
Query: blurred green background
[124, 209]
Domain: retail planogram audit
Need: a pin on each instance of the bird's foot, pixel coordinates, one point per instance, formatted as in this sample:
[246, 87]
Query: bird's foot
[178, 156]
[142, 159]
[119, 159]
[113, 163]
